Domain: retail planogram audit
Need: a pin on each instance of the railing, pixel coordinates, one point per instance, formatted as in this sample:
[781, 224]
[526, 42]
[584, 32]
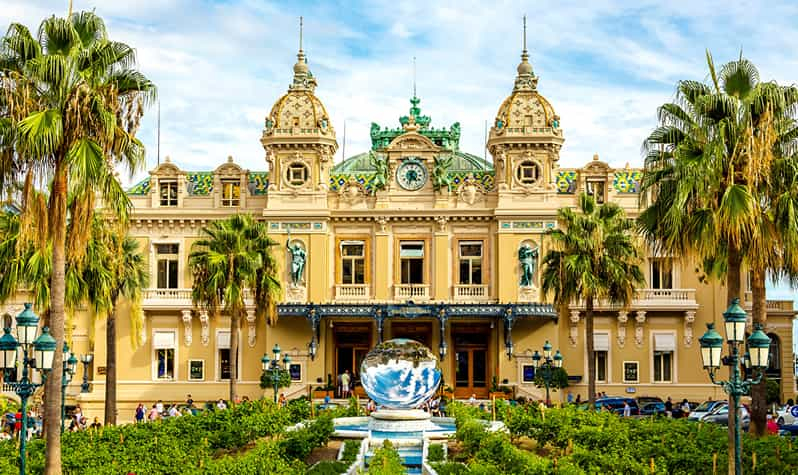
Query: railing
[470, 292]
[175, 297]
[771, 304]
[654, 298]
[411, 291]
[665, 294]
[352, 292]
[532, 131]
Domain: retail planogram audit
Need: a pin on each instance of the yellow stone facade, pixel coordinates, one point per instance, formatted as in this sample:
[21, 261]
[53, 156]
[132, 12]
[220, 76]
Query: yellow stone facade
[400, 242]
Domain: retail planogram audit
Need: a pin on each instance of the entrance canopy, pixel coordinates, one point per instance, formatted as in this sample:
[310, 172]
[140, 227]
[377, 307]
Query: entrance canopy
[509, 313]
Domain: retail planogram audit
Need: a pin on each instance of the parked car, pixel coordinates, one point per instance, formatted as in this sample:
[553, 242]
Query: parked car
[615, 404]
[787, 415]
[646, 399]
[721, 416]
[789, 430]
[703, 409]
[652, 409]
[677, 409]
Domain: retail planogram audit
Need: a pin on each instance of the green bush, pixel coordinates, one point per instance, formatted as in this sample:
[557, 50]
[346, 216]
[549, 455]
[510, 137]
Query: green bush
[328, 467]
[435, 453]
[451, 468]
[298, 444]
[351, 449]
[386, 461]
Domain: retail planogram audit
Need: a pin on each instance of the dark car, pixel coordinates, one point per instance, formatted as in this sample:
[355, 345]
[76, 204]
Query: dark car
[789, 430]
[615, 404]
[677, 409]
[652, 409]
[646, 399]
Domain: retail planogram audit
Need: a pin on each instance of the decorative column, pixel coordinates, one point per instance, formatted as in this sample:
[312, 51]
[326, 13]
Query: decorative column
[689, 319]
[623, 317]
[440, 273]
[251, 330]
[574, 330]
[205, 333]
[640, 319]
[186, 326]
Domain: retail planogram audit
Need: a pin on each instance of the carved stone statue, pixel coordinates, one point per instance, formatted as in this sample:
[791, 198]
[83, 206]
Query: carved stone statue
[440, 174]
[298, 257]
[528, 259]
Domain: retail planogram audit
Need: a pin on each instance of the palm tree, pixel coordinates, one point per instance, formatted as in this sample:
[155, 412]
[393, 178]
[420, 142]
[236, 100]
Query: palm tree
[234, 255]
[71, 105]
[712, 167]
[593, 257]
[114, 270]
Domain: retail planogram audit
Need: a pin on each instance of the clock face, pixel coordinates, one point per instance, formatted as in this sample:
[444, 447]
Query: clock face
[411, 175]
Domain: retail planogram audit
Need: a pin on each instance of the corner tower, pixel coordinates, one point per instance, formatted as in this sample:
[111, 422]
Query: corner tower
[526, 137]
[299, 140]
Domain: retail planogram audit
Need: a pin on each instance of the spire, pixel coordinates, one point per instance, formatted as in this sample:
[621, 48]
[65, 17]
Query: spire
[303, 78]
[526, 80]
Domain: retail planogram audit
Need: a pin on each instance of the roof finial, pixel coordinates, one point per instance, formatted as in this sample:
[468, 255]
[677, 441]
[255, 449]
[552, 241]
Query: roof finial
[414, 76]
[300, 33]
[524, 35]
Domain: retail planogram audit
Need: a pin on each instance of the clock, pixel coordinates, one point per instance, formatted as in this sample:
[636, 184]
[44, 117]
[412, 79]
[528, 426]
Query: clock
[411, 175]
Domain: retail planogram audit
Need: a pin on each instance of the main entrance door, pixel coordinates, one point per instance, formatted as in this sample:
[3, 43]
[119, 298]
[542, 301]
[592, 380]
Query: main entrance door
[352, 343]
[471, 360]
[419, 331]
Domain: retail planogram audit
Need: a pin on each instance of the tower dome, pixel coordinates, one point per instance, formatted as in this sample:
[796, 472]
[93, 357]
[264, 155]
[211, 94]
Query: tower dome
[299, 109]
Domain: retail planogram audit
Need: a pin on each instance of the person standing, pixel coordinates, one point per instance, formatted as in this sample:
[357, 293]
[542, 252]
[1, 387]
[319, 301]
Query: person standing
[173, 412]
[159, 407]
[345, 380]
[153, 415]
[684, 408]
[189, 401]
[669, 407]
[627, 409]
[282, 401]
[570, 398]
[140, 413]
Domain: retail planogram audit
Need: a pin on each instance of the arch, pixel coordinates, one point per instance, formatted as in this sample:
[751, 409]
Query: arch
[774, 363]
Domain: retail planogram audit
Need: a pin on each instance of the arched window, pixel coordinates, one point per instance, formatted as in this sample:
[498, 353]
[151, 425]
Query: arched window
[774, 365]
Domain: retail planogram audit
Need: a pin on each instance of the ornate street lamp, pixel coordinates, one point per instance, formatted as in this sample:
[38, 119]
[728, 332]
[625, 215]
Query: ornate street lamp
[737, 385]
[37, 354]
[548, 365]
[86, 360]
[273, 367]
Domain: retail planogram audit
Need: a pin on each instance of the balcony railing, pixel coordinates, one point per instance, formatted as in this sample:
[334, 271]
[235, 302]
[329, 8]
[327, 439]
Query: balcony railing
[777, 305]
[352, 292]
[654, 299]
[665, 294]
[469, 292]
[175, 298]
[411, 291]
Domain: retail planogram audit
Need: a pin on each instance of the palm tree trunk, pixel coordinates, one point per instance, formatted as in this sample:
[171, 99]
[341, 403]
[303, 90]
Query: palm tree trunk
[733, 291]
[591, 357]
[52, 403]
[110, 367]
[759, 406]
[234, 320]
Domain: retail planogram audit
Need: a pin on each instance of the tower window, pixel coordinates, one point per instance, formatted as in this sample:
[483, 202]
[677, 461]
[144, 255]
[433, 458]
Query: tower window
[168, 192]
[528, 172]
[598, 190]
[297, 174]
[231, 193]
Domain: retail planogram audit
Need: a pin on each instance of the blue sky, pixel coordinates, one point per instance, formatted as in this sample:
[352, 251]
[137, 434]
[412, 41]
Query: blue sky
[604, 65]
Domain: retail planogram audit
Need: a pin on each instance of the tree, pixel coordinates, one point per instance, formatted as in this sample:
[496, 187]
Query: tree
[593, 257]
[114, 270]
[233, 257]
[719, 182]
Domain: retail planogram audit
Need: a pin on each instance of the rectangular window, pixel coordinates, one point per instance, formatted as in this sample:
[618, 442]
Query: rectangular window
[601, 366]
[411, 254]
[196, 370]
[529, 373]
[168, 192]
[167, 261]
[597, 189]
[661, 274]
[471, 262]
[630, 372]
[223, 356]
[163, 342]
[224, 363]
[353, 262]
[231, 193]
[663, 361]
[295, 370]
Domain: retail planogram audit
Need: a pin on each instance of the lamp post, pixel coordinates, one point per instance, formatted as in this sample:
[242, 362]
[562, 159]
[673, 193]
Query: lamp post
[549, 364]
[758, 353]
[70, 362]
[86, 360]
[273, 367]
[37, 354]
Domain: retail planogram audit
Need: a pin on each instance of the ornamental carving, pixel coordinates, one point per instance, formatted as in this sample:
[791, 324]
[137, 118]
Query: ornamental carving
[573, 333]
[640, 319]
[352, 192]
[689, 319]
[205, 334]
[470, 190]
[623, 317]
[251, 327]
[187, 326]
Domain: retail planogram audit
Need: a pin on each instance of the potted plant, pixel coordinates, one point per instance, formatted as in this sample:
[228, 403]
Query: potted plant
[495, 391]
[322, 391]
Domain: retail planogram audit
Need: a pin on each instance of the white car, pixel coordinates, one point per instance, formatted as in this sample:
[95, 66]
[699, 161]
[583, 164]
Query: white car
[787, 415]
[703, 409]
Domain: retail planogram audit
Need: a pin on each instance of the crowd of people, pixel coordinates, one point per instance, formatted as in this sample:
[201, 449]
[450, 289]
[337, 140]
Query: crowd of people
[160, 410]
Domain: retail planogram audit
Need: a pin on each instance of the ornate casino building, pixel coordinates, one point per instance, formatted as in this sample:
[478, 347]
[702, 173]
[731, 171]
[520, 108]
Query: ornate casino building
[412, 238]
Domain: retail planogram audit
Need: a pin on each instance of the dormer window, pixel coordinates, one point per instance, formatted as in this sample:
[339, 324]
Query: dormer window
[598, 190]
[168, 192]
[231, 193]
